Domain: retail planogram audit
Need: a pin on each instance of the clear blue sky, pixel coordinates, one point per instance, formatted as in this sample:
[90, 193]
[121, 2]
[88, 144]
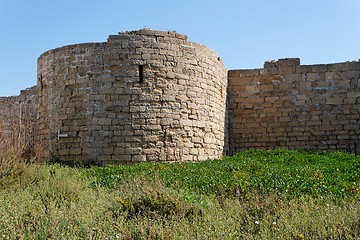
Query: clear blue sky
[243, 33]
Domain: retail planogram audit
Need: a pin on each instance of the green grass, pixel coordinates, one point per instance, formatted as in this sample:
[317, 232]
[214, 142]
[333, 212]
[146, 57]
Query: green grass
[295, 173]
[257, 194]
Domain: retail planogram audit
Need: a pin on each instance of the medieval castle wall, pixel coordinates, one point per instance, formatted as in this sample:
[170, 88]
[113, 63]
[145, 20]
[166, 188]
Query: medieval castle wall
[154, 96]
[289, 105]
[17, 121]
[142, 96]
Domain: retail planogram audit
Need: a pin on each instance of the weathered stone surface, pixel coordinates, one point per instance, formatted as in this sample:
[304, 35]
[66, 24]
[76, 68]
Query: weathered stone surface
[17, 121]
[148, 88]
[311, 107]
[154, 96]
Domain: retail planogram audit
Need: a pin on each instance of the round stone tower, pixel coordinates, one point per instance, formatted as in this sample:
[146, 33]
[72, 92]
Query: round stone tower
[141, 96]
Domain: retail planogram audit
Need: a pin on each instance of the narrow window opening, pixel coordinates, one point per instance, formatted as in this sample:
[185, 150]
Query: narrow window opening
[141, 73]
[41, 82]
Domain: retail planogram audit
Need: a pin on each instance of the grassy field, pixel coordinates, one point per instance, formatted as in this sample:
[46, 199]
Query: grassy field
[257, 194]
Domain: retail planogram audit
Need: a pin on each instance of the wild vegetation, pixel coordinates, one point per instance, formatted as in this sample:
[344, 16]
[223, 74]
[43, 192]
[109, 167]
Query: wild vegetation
[257, 194]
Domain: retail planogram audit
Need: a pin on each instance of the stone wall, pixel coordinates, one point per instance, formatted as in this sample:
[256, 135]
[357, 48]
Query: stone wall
[154, 96]
[9, 117]
[141, 96]
[17, 121]
[286, 104]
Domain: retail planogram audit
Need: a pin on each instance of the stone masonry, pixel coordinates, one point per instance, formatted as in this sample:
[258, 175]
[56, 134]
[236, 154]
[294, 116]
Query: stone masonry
[289, 105]
[154, 96]
[141, 96]
[17, 120]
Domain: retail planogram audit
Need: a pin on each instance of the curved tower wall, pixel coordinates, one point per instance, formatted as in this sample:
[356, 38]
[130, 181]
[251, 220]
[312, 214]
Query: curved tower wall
[141, 96]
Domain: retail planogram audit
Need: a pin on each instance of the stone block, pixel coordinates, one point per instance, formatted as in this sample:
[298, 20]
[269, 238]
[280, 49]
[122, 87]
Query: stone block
[287, 69]
[252, 89]
[266, 88]
[338, 67]
[194, 151]
[335, 101]
[75, 151]
[319, 68]
[271, 99]
[138, 158]
[119, 151]
[133, 151]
